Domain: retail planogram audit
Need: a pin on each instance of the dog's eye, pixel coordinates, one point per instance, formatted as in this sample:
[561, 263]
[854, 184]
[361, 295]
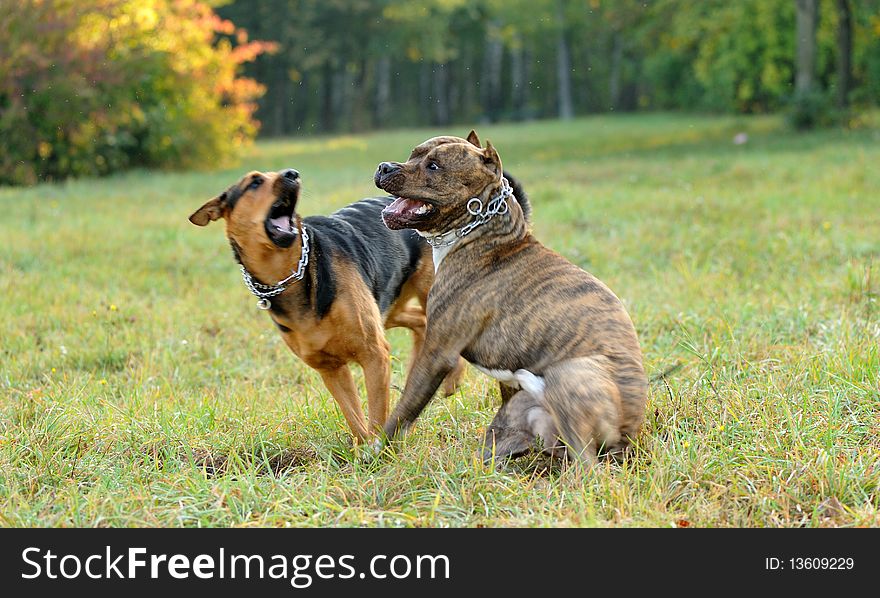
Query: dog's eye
[433, 166]
[255, 183]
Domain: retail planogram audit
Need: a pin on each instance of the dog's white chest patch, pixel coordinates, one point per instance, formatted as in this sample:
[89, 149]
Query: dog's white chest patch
[439, 254]
[439, 251]
[519, 379]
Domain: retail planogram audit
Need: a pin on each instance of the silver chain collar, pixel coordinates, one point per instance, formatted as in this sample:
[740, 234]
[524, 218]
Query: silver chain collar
[266, 291]
[495, 205]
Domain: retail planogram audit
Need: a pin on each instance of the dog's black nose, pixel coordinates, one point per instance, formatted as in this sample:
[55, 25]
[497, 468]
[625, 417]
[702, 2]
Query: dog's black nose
[290, 173]
[386, 168]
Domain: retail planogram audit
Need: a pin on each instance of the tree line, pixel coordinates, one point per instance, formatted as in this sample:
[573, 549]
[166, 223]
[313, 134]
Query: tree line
[359, 64]
[89, 87]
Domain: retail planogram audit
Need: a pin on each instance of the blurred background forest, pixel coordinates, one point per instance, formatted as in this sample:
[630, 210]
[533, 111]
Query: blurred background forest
[94, 86]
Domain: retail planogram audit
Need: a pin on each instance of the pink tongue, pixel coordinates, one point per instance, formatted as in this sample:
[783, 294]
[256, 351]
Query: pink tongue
[282, 222]
[401, 206]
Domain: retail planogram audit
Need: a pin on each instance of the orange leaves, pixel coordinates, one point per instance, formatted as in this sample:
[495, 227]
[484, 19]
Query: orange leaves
[249, 51]
[110, 84]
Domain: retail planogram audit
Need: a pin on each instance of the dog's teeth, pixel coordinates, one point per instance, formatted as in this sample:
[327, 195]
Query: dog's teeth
[422, 209]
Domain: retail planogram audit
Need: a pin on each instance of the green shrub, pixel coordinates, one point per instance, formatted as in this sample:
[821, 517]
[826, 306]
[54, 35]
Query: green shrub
[89, 88]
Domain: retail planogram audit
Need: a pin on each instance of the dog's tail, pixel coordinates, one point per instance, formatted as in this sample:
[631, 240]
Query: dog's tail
[520, 195]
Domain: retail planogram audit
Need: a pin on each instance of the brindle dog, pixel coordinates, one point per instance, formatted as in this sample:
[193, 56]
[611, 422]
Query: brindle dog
[357, 278]
[559, 341]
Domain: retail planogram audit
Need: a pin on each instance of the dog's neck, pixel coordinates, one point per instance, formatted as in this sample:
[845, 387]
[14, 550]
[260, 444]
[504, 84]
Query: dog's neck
[489, 219]
[267, 263]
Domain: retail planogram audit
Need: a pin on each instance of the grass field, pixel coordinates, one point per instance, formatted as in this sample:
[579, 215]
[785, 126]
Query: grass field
[131, 349]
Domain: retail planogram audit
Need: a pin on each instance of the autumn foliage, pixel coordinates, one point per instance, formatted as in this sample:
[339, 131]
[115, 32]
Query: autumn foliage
[92, 87]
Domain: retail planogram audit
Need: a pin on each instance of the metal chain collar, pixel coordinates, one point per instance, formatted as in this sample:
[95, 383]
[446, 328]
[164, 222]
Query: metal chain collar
[496, 205]
[265, 291]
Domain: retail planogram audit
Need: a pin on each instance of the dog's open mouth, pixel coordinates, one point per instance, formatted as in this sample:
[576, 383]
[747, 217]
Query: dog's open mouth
[280, 223]
[403, 211]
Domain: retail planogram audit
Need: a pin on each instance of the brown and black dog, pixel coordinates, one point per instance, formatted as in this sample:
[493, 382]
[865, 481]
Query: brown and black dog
[559, 341]
[354, 279]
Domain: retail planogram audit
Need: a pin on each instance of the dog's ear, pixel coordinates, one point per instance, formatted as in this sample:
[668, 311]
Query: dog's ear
[491, 158]
[209, 212]
[473, 139]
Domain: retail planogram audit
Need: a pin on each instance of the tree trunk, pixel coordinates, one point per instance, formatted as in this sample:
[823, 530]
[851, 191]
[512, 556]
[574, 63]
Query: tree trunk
[279, 102]
[615, 66]
[468, 98]
[528, 63]
[517, 81]
[807, 21]
[341, 98]
[425, 95]
[492, 64]
[453, 96]
[565, 105]
[383, 91]
[844, 53]
[441, 100]
[328, 112]
[359, 107]
[302, 110]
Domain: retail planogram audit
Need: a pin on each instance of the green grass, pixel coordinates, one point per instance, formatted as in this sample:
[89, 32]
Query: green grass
[131, 349]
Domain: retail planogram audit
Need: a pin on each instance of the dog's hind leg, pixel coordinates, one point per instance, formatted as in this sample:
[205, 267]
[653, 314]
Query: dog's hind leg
[413, 318]
[404, 314]
[341, 385]
[584, 401]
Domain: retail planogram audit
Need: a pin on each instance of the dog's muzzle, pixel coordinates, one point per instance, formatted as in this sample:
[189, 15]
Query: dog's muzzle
[384, 173]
